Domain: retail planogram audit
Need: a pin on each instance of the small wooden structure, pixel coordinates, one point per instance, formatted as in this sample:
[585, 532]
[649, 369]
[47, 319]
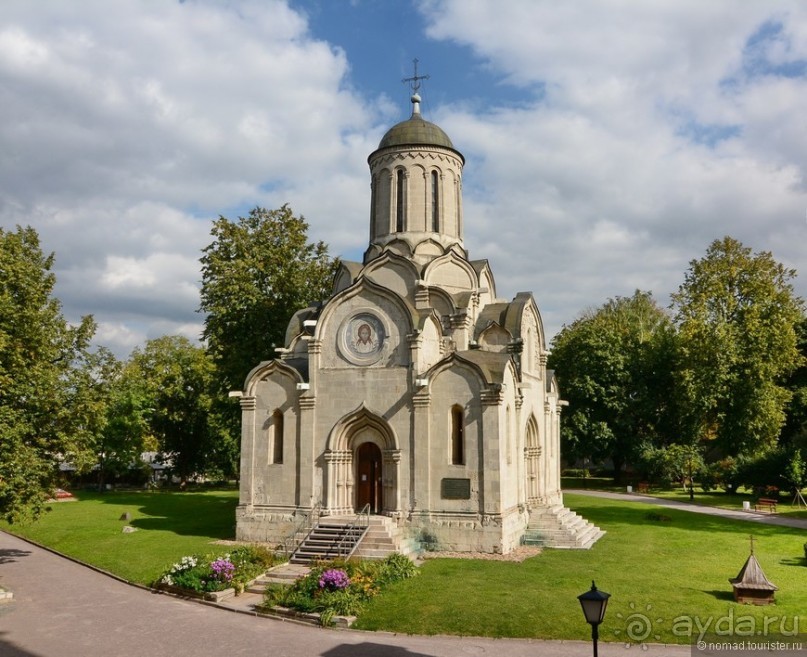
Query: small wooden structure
[751, 586]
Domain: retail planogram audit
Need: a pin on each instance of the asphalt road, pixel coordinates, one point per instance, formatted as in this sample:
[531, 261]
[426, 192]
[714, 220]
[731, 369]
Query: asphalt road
[64, 609]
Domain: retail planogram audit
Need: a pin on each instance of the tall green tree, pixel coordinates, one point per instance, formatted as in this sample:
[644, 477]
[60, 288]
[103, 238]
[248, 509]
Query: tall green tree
[736, 314]
[177, 377]
[46, 415]
[613, 367]
[256, 273]
[129, 402]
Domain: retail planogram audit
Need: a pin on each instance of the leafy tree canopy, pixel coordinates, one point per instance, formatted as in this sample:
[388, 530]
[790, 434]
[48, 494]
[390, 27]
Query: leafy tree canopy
[46, 413]
[177, 377]
[256, 274]
[736, 314]
[613, 366]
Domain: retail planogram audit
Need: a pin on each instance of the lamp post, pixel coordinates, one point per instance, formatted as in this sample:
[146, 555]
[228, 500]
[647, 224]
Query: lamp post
[594, 603]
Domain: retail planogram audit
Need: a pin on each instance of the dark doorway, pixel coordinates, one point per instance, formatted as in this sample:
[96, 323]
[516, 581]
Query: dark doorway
[368, 476]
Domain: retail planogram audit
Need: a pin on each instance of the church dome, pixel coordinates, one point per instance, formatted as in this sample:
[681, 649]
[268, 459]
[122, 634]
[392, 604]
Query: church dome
[415, 131]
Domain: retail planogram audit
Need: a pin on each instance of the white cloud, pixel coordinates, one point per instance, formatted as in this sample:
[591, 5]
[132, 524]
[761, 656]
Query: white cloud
[636, 153]
[644, 131]
[125, 132]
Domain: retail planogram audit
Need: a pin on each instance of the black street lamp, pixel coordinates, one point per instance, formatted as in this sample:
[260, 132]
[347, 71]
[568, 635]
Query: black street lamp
[594, 603]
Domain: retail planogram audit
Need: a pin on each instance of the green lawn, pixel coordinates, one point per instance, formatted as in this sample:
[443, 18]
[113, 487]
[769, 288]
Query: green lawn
[170, 525]
[711, 498]
[660, 570]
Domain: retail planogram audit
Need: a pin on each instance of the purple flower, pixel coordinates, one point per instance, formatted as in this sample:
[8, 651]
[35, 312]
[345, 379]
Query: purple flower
[223, 570]
[334, 579]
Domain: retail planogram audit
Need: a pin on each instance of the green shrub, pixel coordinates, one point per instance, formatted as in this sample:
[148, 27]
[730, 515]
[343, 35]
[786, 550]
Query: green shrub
[366, 579]
[395, 568]
[581, 473]
[209, 573]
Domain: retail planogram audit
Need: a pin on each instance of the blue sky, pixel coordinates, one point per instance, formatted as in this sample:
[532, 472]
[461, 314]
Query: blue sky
[607, 143]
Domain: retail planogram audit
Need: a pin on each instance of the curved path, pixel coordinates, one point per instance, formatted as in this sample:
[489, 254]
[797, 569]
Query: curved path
[748, 516]
[64, 609]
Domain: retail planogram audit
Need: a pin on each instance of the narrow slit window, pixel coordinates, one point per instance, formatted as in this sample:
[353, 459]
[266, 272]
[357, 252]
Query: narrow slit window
[277, 437]
[400, 189]
[435, 202]
[373, 227]
[457, 436]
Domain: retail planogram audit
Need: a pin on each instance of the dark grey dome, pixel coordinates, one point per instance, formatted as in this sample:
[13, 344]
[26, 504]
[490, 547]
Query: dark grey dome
[415, 131]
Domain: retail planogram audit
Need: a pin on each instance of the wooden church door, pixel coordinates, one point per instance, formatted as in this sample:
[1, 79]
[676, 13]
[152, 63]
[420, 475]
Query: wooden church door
[369, 483]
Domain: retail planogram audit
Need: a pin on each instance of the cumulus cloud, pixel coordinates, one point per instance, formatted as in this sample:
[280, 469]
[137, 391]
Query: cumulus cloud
[638, 133]
[654, 129]
[125, 130]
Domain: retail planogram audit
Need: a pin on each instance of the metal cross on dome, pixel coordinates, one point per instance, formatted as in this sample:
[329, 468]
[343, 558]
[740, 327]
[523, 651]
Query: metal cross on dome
[414, 81]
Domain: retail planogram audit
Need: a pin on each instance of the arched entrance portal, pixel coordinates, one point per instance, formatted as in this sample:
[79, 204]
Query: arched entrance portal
[369, 479]
[362, 465]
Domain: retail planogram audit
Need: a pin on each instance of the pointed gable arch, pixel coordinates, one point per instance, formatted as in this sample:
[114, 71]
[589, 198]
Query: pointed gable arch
[442, 302]
[455, 363]
[345, 275]
[452, 273]
[343, 436]
[394, 272]
[495, 338]
[429, 248]
[384, 313]
[365, 288]
[400, 247]
[275, 370]
[487, 284]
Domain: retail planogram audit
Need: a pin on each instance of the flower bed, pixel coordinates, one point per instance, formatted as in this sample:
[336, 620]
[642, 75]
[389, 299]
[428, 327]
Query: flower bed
[340, 588]
[207, 576]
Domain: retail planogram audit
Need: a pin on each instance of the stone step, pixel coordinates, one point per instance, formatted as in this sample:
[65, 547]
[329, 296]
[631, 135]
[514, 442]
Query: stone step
[327, 540]
[561, 528]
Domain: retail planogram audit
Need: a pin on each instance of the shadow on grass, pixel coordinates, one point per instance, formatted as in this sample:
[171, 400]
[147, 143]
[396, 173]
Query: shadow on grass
[801, 562]
[728, 596]
[209, 513]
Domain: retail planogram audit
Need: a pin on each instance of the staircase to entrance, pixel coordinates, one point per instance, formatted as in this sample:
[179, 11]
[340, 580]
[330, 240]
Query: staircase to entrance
[559, 527]
[334, 537]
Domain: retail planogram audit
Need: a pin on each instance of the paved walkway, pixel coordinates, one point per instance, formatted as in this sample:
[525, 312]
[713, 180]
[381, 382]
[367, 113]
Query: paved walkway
[749, 516]
[63, 609]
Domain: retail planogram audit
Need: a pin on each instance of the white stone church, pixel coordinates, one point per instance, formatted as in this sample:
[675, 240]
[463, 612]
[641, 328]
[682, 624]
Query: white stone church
[414, 392]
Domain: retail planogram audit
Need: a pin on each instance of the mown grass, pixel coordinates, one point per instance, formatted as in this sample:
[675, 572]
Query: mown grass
[715, 498]
[661, 569]
[170, 525]
[658, 564]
